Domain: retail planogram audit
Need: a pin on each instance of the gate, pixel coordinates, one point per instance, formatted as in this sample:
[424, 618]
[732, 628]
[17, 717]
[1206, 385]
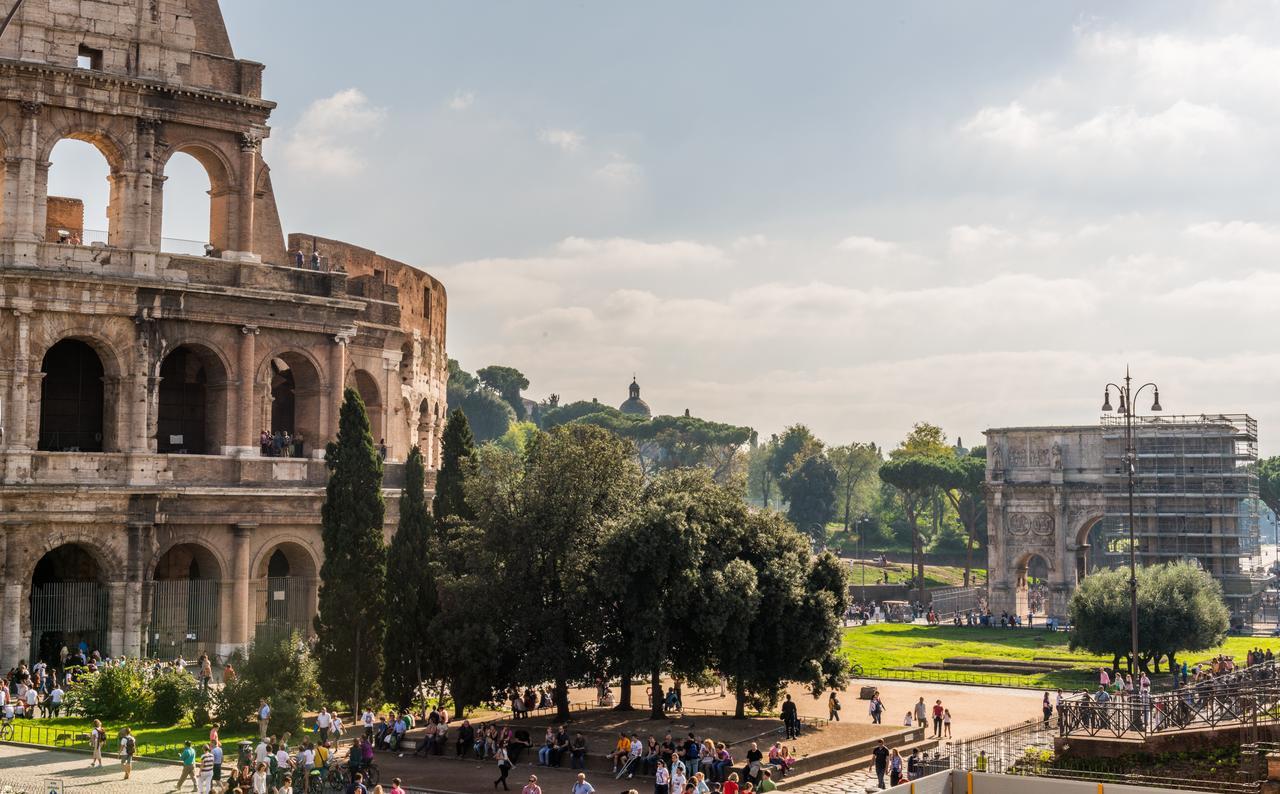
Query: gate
[283, 607]
[67, 613]
[184, 618]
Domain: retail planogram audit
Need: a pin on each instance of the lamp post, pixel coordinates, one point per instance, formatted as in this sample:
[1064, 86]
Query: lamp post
[1127, 394]
[858, 525]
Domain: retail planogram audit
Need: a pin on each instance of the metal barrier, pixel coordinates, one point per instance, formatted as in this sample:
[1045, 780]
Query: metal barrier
[1250, 696]
[25, 731]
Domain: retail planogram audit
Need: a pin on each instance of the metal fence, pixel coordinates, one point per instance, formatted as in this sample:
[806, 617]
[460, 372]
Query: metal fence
[1250, 696]
[948, 602]
[32, 732]
[64, 614]
[184, 618]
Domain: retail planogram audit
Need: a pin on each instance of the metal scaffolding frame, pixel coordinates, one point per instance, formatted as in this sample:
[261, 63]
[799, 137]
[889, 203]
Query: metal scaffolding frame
[1195, 496]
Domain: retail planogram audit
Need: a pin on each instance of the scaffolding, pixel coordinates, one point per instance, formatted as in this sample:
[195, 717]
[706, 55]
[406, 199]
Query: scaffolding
[1195, 497]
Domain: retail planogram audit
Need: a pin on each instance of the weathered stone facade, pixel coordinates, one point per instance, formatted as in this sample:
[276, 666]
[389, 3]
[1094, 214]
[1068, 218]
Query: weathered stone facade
[134, 382]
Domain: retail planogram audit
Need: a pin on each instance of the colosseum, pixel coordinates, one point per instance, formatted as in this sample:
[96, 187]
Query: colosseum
[142, 512]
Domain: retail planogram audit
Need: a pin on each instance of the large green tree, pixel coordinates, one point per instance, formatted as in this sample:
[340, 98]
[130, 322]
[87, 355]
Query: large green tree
[411, 597]
[964, 483]
[856, 466]
[508, 382]
[548, 513]
[794, 445]
[915, 478]
[810, 488]
[351, 621]
[488, 414]
[1180, 608]
[456, 449]
[1269, 483]
[656, 559]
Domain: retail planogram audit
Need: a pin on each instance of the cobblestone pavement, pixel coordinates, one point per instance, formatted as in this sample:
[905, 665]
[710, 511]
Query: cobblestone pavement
[27, 770]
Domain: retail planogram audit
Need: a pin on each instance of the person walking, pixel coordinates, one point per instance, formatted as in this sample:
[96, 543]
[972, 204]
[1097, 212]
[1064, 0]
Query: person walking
[920, 711]
[323, 723]
[790, 718]
[880, 761]
[661, 779]
[532, 786]
[188, 758]
[895, 767]
[946, 723]
[204, 782]
[264, 718]
[937, 719]
[504, 766]
[833, 707]
[128, 746]
[875, 708]
[1046, 708]
[581, 786]
[97, 738]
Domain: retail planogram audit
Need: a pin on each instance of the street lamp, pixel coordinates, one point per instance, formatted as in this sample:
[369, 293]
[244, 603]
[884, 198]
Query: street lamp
[858, 525]
[1127, 395]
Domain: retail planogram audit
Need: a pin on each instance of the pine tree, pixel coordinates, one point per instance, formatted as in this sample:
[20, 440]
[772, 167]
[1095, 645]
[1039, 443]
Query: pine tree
[412, 602]
[458, 445]
[350, 624]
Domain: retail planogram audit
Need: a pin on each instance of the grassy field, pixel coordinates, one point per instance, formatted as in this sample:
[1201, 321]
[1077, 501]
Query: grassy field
[899, 572]
[163, 741]
[895, 650]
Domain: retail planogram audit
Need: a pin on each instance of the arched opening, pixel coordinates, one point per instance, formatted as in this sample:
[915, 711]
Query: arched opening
[72, 399]
[68, 605]
[294, 413]
[81, 191]
[406, 362]
[367, 387]
[424, 431]
[286, 593]
[187, 221]
[184, 603]
[1091, 550]
[192, 410]
[1033, 586]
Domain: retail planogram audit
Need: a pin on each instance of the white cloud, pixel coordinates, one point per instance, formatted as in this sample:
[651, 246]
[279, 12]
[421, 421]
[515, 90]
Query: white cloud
[462, 100]
[332, 134]
[1242, 232]
[867, 246]
[565, 140]
[750, 242]
[619, 172]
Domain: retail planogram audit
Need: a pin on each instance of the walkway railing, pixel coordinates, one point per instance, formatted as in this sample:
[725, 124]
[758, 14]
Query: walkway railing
[1250, 696]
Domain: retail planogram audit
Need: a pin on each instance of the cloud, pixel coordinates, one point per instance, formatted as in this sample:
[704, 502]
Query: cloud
[331, 135]
[619, 172]
[867, 246]
[750, 242]
[1238, 232]
[462, 100]
[565, 140]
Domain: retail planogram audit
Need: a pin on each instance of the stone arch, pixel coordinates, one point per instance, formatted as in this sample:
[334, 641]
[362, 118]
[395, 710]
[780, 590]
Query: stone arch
[1033, 599]
[114, 152]
[75, 412]
[1089, 551]
[212, 563]
[109, 561]
[184, 594]
[223, 195]
[193, 412]
[67, 605]
[286, 594]
[293, 395]
[367, 386]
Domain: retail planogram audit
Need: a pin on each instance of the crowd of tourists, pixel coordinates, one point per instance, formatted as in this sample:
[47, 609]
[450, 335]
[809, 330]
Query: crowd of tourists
[281, 444]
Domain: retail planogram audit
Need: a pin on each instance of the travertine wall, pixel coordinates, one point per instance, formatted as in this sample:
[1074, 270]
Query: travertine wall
[63, 215]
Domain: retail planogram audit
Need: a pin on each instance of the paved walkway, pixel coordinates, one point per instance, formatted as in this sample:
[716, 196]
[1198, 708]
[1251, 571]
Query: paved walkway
[28, 770]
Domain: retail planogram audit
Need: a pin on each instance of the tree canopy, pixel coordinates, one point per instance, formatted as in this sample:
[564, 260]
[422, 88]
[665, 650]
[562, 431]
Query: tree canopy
[508, 382]
[810, 488]
[1180, 608]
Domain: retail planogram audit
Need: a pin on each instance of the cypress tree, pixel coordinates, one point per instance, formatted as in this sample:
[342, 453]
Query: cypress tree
[412, 602]
[350, 624]
[458, 445]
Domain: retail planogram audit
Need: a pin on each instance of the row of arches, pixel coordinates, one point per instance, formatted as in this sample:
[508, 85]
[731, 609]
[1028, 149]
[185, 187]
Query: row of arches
[184, 600]
[193, 403]
[193, 201]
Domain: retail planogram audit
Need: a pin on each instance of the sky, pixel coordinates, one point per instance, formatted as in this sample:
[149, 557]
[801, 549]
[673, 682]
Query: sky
[857, 216]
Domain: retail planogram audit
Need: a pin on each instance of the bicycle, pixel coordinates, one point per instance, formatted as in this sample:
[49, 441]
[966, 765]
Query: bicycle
[340, 775]
[6, 730]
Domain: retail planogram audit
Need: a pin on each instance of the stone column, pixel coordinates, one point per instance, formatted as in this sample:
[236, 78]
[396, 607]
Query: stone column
[24, 193]
[246, 440]
[249, 144]
[143, 234]
[11, 639]
[240, 628]
[337, 380]
[141, 547]
[15, 426]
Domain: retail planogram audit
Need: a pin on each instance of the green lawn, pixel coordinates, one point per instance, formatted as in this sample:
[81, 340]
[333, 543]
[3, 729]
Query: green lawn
[163, 741]
[899, 572]
[895, 649]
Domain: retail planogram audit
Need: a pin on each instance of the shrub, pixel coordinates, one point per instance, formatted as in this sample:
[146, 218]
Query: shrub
[112, 693]
[281, 671]
[174, 695]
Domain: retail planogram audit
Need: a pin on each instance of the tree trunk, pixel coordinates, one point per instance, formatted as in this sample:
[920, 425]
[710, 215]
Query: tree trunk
[968, 553]
[624, 691]
[458, 711]
[355, 679]
[562, 700]
[655, 702]
[740, 695]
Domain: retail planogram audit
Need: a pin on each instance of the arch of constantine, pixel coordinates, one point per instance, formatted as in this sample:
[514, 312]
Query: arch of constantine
[1057, 505]
[140, 510]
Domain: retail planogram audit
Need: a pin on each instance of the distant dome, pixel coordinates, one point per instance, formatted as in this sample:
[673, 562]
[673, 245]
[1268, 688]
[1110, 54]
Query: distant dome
[634, 406]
